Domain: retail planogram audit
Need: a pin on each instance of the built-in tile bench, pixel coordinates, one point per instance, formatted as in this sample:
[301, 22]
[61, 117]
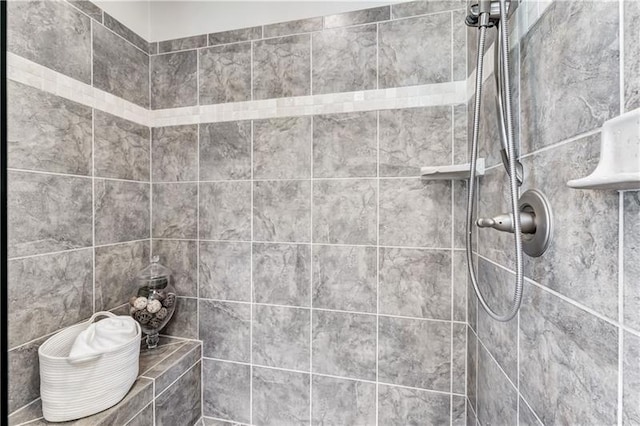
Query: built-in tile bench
[167, 391]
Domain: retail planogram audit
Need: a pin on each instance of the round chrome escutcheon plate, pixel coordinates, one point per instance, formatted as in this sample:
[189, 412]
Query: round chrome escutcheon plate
[534, 201]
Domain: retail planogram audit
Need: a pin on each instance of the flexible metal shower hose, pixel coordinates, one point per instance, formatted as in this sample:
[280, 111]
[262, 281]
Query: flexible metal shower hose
[503, 45]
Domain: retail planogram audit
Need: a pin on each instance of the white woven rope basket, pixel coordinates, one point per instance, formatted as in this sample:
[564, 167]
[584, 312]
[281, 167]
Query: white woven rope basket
[79, 387]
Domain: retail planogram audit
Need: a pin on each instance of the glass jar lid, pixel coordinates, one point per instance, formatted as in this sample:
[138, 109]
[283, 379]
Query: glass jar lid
[154, 271]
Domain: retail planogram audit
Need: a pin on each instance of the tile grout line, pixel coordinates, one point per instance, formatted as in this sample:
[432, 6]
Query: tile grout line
[577, 304]
[92, 20]
[353, 379]
[251, 296]
[202, 378]
[451, 252]
[241, 302]
[620, 307]
[263, 38]
[311, 277]
[378, 266]
[93, 200]
[89, 176]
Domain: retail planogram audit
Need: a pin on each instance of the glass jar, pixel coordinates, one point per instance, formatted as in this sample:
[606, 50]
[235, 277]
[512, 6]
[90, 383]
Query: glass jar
[153, 306]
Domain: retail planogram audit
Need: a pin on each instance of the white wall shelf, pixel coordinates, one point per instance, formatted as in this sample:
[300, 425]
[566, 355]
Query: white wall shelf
[453, 172]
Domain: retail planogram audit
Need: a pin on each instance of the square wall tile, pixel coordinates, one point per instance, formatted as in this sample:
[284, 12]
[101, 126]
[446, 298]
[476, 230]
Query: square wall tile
[121, 211]
[497, 286]
[175, 210]
[424, 7]
[125, 32]
[415, 213]
[280, 397]
[184, 322]
[631, 13]
[227, 390]
[225, 150]
[174, 152]
[415, 353]
[342, 402]
[52, 34]
[407, 47]
[582, 259]
[36, 309]
[344, 344]
[174, 80]
[282, 211]
[497, 398]
[363, 16]
[24, 381]
[344, 211]
[282, 274]
[412, 138]
[235, 36]
[293, 27]
[225, 211]
[345, 278]
[225, 330]
[184, 43]
[459, 47]
[182, 258]
[282, 148]
[119, 68]
[117, 267]
[631, 379]
[344, 60]
[281, 337]
[415, 283]
[121, 148]
[568, 358]
[560, 96]
[182, 401]
[61, 142]
[631, 259]
[225, 271]
[460, 286]
[225, 74]
[47, 213]
[345, 145]
[397, 405]
[281, 67]
[459, 358]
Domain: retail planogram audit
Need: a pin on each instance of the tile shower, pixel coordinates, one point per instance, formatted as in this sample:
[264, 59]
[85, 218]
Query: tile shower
[275, 169]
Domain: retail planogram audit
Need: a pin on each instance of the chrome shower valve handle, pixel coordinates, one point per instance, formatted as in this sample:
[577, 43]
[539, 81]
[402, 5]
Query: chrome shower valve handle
[504, 222]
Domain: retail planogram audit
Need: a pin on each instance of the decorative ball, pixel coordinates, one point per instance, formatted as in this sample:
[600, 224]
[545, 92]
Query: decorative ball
[162, 313]
[155, 322]
[132, 300]
[154, 306]
[143, 317]
[140, 303]
[132, 310]
[169, 300]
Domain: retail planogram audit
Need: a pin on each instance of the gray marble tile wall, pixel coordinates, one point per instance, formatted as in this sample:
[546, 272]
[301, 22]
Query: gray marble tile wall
[383, 47]
[79, 40]
[571, 355]
[317, 266]
[79, 180]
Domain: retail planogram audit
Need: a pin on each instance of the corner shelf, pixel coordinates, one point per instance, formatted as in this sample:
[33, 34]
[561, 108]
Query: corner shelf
[454, 172]
[619, 164]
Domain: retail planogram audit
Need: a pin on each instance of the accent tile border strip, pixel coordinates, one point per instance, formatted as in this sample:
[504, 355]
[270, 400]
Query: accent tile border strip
[35, 75]
[27, 72]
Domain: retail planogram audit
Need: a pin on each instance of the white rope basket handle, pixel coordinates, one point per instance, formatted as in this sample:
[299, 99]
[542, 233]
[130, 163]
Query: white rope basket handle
[84, 358]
